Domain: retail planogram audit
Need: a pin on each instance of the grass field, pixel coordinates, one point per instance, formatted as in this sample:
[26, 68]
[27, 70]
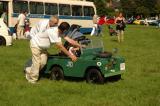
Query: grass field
[140, 84]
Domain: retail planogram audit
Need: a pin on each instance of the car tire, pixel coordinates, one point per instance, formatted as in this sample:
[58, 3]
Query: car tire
[2, 41]
[94, 76]
[56, 73]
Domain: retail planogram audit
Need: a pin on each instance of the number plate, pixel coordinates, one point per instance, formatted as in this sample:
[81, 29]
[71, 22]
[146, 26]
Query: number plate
[122, 66]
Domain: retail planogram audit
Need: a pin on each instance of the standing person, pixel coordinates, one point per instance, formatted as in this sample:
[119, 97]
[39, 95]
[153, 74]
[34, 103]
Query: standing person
[42, 35]
[95, 26]
[27, 26]
[120, 25]
[146, 22]
[101, 21]
[4, 16]
[21, 24]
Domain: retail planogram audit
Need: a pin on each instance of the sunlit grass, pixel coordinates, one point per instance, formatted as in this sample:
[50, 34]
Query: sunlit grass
[140, 84]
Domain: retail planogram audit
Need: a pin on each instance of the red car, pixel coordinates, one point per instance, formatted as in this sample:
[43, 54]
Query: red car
[110, 21]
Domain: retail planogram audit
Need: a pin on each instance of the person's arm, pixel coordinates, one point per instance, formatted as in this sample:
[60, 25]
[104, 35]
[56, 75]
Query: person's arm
[124, 20]
[115, 21]
[93, 30]
[62, 48]
[72, 42]
[19, 17]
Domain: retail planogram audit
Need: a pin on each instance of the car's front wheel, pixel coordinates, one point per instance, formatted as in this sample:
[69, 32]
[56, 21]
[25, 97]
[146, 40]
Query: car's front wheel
[56, 73]
[94, 76]
[2, 41]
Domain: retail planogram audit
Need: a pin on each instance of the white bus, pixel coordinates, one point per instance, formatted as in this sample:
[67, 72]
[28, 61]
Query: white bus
[71, 11]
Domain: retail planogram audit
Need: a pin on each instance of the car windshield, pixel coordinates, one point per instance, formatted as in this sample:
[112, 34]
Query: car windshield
[92, 45]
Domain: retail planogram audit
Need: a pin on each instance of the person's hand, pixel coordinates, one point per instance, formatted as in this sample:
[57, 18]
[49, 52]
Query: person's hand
[73, 58]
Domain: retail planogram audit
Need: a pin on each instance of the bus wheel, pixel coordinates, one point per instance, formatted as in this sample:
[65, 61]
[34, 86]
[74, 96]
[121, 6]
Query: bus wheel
[94, 76]
[2, 41]
[56, 73]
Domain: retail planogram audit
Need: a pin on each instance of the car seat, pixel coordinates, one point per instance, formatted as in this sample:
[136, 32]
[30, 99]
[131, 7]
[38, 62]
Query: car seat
[75, 34]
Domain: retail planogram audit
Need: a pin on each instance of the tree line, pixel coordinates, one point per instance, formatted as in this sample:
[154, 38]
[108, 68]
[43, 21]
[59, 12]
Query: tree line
[144, 8]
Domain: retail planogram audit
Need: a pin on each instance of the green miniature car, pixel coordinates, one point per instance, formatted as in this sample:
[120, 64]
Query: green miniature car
[93, 64]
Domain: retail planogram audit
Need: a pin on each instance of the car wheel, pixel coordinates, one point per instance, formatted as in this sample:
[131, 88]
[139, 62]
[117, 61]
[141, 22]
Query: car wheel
[94, 76]
[56, 73]
[2, 41]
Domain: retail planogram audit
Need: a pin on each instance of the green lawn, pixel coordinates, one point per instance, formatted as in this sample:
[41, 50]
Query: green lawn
[140, 84]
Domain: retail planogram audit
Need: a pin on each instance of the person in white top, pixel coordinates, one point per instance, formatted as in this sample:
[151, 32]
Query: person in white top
[95, 26]
[20, 25]
[44, 33]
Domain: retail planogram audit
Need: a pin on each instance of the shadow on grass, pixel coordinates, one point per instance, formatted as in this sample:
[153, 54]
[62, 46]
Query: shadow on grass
[77, 79]
[114, 40]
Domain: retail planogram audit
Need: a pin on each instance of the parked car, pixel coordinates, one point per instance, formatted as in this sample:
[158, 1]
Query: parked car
[151, 20]
[138, 22]
[5, 37]
[155, 23]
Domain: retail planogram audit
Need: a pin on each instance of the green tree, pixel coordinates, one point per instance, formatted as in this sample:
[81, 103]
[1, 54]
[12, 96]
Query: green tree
[144, 7]
[102, 9]
[143, 11]
[128, 7]
[157, 7]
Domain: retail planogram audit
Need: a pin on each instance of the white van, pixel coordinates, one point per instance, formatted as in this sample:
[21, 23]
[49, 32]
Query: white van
[5, 37]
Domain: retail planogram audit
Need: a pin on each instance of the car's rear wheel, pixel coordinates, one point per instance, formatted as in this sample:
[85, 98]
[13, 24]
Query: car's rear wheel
[2, 41]
[56, 73]
[94, 76]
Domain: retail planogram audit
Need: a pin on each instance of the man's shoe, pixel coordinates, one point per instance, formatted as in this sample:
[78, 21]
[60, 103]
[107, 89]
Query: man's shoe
[28, 77]
[30, 80]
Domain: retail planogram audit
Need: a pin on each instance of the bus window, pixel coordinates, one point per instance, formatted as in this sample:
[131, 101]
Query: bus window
[19, 6]
[36, 8]
[76, 10]
[64, 9]
[3, 7]
[88, 11]
[51, 9]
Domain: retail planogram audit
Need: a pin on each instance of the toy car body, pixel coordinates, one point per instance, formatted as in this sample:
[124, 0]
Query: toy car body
[92, 64]
[5, 37]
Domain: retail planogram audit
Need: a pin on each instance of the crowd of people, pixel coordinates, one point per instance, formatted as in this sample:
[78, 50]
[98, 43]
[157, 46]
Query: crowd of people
[21, 27]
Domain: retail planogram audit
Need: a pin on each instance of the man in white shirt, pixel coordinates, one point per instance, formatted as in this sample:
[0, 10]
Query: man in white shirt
[20, 25]
[41, 36]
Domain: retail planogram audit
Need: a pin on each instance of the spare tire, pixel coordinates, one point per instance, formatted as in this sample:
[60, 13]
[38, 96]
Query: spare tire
[104, 54]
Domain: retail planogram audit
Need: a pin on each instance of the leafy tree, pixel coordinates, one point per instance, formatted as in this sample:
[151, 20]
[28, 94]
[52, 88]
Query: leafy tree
[102, 8]
[143, 11]
[157, 7]
[128, 7]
